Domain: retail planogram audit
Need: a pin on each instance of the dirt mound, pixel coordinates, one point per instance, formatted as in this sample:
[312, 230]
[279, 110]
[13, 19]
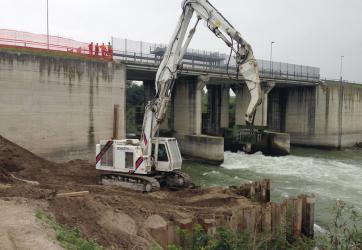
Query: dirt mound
[112, 216]
[26, 165]
[5, 176]
[15, 159]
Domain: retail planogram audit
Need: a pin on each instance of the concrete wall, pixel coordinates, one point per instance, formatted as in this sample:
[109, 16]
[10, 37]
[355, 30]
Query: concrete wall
[310, 114]
[327, 114]
[209, 149]
[59, 108]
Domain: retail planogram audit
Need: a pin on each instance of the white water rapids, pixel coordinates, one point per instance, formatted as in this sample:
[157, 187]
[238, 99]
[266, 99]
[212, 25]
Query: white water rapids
[328, 175]
[335, 179]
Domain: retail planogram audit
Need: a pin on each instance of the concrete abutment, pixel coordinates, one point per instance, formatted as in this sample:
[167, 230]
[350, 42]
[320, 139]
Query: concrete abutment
[60, 107]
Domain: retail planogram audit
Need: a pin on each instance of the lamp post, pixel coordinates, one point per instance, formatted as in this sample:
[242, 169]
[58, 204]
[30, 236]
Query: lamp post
[340, 71]
[340, 106]
[48, 24]
[271, 57]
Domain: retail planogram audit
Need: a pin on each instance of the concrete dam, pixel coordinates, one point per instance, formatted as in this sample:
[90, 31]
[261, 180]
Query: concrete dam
[59, 107]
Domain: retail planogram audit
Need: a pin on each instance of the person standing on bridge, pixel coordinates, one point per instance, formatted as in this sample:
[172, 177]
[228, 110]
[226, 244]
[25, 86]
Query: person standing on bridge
[110, 50]
[90, 49]
[96, 49]
[103, 50]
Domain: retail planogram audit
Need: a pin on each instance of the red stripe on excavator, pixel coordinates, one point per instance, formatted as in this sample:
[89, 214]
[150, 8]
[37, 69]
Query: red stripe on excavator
[145, 140]
[104, 150]
[138, 163]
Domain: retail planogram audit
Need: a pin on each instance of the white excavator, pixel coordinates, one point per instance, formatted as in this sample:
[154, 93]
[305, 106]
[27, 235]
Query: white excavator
[152, 161]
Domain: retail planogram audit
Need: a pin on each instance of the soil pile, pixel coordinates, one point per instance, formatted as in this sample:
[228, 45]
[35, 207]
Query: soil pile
[110, 215]
[19, 162]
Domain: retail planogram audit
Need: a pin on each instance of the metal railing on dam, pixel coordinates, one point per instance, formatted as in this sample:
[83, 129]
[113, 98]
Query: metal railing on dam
[148, 54]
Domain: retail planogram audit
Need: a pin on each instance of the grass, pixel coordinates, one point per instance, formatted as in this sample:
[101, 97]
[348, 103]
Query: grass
[70, 239]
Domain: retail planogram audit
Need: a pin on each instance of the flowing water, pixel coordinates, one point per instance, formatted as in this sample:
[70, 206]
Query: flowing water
[327, 174]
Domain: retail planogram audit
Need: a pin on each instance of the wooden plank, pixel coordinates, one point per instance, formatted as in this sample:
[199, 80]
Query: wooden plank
[115, 121]
[5, 186]
[297, 218]
[23, 180]
[72, 194]
[307, 215]
[267, 219]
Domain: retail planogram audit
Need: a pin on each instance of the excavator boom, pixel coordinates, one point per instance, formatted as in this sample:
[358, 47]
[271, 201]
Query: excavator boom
[154, 155]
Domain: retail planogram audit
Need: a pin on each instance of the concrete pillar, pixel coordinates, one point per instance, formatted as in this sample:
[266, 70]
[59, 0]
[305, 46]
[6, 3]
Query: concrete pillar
[187, 111]
[239, 116]
[188, 105]
[266, 89]
[201, 83]
[224, 116]
[214, 108]
[184, 106]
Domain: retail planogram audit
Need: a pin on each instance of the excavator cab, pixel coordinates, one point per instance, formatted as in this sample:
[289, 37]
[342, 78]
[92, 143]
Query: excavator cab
[166, 154]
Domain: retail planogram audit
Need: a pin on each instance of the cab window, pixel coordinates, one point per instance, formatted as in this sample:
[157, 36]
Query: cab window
[162, 152]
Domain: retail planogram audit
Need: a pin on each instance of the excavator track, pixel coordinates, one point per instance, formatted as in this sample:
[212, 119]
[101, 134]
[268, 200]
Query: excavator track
[131, 181]
[187, 179]
[177, 180]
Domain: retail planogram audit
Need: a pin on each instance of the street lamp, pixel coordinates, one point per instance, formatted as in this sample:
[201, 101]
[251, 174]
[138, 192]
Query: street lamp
[340, 72]
[48, 24]
[271, 56]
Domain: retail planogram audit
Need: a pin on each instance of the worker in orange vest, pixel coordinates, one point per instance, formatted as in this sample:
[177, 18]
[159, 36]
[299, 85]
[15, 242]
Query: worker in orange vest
[90, 48]
[96, 49]
[103, 50]
[110, 50]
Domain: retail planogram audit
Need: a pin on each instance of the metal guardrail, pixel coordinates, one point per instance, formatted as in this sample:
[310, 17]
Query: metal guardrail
[217, 66]
[143, 53]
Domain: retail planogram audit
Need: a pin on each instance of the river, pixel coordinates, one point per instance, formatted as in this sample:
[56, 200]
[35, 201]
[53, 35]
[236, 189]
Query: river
[327, 174]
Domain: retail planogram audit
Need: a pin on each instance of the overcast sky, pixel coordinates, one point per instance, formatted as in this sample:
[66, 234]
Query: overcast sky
[308, 32]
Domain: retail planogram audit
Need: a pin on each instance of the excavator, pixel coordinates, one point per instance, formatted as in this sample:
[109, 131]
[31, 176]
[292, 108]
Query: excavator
[153, 161]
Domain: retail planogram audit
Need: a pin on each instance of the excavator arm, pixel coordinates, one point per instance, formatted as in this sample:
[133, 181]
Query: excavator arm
[167, 72]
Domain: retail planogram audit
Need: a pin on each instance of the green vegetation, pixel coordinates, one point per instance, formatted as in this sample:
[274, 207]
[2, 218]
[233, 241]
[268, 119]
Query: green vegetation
[70, 239]
[345, 230]
[134, 107]
[227, 239]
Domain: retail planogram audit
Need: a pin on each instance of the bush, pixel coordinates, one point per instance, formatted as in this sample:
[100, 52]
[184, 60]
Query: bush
[345, 230]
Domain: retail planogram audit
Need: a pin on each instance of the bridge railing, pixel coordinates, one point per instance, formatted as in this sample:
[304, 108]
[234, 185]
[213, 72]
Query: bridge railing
[144, 53]
[40, 41]
[14, 38]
